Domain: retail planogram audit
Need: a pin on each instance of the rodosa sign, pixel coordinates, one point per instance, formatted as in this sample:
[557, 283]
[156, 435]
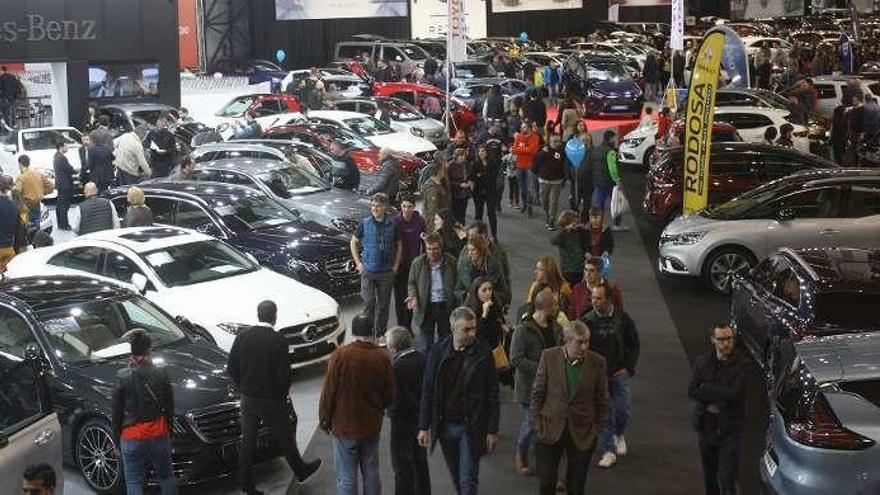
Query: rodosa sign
[37, 28]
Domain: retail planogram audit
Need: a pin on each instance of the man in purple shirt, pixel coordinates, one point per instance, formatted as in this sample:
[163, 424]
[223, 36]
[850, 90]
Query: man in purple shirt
[410, 227]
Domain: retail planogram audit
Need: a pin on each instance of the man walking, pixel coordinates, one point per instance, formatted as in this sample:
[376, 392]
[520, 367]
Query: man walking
[95, 214]
[33, 185]
[603, 162]
[430, 291]
[376, 249]
[550, 169]
[63, 184]
[408, 459]
[569, 404]
[537, 332]
[259, 365]
[718, 387]
[143, 413]
[460, 405]
[359, 386]
[614, 337]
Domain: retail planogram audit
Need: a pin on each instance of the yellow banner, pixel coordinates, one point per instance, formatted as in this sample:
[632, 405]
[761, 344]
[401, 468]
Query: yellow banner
[698, 122]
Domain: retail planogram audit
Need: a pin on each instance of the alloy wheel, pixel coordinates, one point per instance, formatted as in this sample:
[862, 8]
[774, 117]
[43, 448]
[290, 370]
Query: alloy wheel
[97, 457]
[723, 269]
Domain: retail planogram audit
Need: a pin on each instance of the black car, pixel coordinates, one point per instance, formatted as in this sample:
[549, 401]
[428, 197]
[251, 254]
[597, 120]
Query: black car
[72, 326]
[603, 84]
[254, 223]
[795, 295]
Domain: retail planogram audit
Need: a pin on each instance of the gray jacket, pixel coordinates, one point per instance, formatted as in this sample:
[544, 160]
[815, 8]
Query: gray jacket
[525, 354]
[419, 285]
[95, 214]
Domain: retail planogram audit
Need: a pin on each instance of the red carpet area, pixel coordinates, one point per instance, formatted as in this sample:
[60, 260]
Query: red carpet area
[621, 125]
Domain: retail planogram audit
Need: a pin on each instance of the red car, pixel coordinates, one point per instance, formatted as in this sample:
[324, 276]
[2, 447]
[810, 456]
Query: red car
[364, 153]
[259, 105]
[415, 94]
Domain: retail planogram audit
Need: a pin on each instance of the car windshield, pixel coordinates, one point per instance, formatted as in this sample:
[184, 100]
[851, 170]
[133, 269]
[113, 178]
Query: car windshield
[254, 213]
[236, 107]
[414, 52]
[366, 126]
[146, 117]
[265, 65]
[45, 139]
[473, 71]
[91, 331]
[291, 180]
[197, 262]
[847, 311]
[402, 111]
[346, 137]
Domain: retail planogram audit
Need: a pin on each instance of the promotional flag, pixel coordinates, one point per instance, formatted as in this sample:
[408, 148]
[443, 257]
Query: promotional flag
[846, 55]
[735, 61]
[456, 36]
[698, 121]
[676, 38]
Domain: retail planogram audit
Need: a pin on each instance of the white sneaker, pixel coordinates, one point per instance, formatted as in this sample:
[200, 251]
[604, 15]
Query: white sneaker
[608, 459]
[620, 445]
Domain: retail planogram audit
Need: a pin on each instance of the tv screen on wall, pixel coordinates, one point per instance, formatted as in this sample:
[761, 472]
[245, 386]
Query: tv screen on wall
[293, 10]
[124, 80]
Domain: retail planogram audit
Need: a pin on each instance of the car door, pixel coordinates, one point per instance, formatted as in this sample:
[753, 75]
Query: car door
[748, 303]
[860, 216]
[806, 218]
[163, 209]
[783, 318]
[121, 267]
[777, 165]
[829, 97]
[29, 429]
[193, 216]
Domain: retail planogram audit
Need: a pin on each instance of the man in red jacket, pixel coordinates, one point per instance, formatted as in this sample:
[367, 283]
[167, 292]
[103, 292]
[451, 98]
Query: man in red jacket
[525, 144]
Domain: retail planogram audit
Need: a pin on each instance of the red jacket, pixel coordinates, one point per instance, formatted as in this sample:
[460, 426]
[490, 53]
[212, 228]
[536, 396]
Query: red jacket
[524, 148]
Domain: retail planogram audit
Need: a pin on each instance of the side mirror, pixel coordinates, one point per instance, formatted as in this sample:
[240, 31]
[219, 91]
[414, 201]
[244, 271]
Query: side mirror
[140, 282]
[784, 214]
[33, 353]
[184, 322]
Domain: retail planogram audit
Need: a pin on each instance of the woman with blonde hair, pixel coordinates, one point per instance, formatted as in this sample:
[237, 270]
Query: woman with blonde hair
[138, 214]
[549, 274]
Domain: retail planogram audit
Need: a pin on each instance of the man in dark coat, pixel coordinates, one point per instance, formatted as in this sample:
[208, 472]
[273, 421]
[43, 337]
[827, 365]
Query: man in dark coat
[162, 149]
[63, 184]
[389, 176]
[97, 164]
[536, 110]
[839, 134]
[351, 178]
[95, 214]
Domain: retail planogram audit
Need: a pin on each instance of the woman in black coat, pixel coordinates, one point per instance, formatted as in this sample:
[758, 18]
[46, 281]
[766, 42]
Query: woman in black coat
[485, 172]
[491, 326]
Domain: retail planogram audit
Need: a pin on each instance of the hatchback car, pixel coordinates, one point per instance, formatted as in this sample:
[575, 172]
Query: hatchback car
[463, 117]
[253, 223]
[751, 122]
[813, 208]
[734, 168]
[73, 326]
[180, 269]
[39, 145]
[639, 146]
[603, 85]
[376, 132]
[811, 317]
[268, 109]
[401, 116]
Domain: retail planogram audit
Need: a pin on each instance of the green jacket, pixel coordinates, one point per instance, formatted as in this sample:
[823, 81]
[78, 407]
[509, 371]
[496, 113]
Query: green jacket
[571, 249]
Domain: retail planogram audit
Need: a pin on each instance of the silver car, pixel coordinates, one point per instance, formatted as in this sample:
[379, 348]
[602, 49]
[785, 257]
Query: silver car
[817, 208]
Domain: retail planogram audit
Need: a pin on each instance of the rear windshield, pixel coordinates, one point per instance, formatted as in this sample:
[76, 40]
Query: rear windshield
[848, 310]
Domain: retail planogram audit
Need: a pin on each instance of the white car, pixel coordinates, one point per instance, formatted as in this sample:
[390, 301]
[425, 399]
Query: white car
[636, 147]
[39, 145]
[751, 122]
[403, 116]
[200, 278]
[830, 89]
[753, 45]
[376, 132]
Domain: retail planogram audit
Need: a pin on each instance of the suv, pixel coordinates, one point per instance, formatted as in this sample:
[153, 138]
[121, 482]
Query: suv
[265, 107]
[830, 89]
[734, 168]
[253, 223]
[814, 208]
[407, 54]
[72, 325]
[603, 85]
[401, 116]
[811, 317]
[639, 147]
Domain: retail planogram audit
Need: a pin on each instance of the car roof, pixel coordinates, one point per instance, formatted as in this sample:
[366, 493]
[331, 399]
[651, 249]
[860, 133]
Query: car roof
[749, 109]
[213, 193]
[50, 292]
[760, 148]
[139, 107]
[246, 165]
[143, 239]
[840, 269]
[337, 115]
[236, 145]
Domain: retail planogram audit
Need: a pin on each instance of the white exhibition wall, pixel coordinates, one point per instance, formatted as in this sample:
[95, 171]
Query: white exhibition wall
[429, 18]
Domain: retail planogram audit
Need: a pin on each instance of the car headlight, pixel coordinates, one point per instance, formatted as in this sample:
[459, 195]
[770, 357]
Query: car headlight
[302, 266]
[44, 214]
[634, 141]
[48, 173]
[344, 224]
[232, 328]
[417, 132]
[683, 239]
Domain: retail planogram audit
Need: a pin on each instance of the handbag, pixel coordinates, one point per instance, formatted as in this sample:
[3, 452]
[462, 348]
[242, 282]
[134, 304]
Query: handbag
[500, 357]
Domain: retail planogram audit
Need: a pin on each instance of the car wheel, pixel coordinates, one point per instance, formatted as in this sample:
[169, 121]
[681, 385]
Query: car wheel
[97, 457]
[648, 159]
[723, 264]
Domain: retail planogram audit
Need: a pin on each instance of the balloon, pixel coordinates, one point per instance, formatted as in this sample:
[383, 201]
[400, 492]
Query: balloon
[575, 151]
[523, 36]
[280, 55]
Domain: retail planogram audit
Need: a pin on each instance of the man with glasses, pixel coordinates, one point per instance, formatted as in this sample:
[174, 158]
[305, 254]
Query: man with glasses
[718, 387]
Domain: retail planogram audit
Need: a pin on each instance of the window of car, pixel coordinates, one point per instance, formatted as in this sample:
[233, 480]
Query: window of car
[236, 178]
[820, 202]
[206, 175]
[351, 51]
[15, 334]
[163, 209]
[206, 156]
[778, 165]
[254, 213]
[46, 139]
[197, 262]
[725, 99]
[414, 52]
[787, 286]
[826, 91]
[86, 259]
[407, 96]
[236, 107]
[391, 53]
[745, 120]
[863, 200]
[367, 126]
[764, 272]
[191, 216]
[20, 404]
[118, 119]
[120, 267]
[348, 106]
[268, 107]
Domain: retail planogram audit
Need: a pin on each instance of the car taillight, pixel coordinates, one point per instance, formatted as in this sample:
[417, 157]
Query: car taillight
[821, 429]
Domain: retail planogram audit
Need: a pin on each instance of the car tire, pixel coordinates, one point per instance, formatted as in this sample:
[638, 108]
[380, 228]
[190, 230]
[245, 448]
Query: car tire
[97, 457]
[722, 264]
[649, 155]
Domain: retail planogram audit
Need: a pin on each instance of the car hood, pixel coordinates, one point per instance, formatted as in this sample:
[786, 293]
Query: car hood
[851, 356]
[197, 372]
[306, 239]
[332, 203]
[641, 132]
[399, 141]
[690, 223]
[299, 303]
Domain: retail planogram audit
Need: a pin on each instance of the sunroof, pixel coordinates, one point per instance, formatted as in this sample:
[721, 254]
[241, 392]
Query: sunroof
[148, 235]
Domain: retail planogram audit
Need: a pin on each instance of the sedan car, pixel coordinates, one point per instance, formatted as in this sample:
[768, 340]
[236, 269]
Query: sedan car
[39, 145]
[124, 117]
[603, 85]
[73, 325]
[268, 109]
[376, 132]
[811, 318]
[257, 71]
[401, 116]
[180, 269]
[821, 208]
[463, 117]
[253, 223]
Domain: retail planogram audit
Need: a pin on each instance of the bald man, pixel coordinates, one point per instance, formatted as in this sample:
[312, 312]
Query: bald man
[95, 213]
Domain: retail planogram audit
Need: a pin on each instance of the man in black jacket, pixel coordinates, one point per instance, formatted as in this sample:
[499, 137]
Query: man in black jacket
[389, 176]
[97, 164]
[143, 415]
[63, 183]
[351, 179]
[460, 405]
[718, 387]
[549, 166]
[95, 214]
[408, 459]
[162, 148]
[260, 368]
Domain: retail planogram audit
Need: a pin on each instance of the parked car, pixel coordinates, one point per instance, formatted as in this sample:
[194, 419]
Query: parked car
[470, 70]
[376, 132]
[811, 317]
[29, 429]
[253, 223]
[812, 208]
[268, 109]
[830, 89]
[73, 325]
[293, 187]
[179, 269]
[463, 117]
[338, 83]
[408, 55]
[751, 122]
[734, 168]
[750, 97]
[257, 71]
[38, 144]
[124, 117]
[639, 146]
[602, 85]
[402, 116]
[474, 92]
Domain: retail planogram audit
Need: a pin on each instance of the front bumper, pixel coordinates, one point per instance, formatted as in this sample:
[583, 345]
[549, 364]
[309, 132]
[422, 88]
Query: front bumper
[596, 106]
[678, 260]
[336, 277]
[635, 155]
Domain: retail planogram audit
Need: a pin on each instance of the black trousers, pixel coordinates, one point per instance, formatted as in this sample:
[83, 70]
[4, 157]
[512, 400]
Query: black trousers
[459, 209]
[409, 460]
[274, 414]
[435, 324]
[62, 205]
[487, 203]
[404, 315]
[720, 456]
[578, 466]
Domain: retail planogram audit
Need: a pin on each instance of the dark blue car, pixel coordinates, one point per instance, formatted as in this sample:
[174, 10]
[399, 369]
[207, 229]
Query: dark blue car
[603, 85]
[254, 223]
[257, 71]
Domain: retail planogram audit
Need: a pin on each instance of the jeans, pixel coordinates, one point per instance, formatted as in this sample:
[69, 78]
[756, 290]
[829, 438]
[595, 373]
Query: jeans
[577, 467]
[409, 461]
[274, 414]
[460, 453]
[138, 454]
[524, 439]
[34, 218]
[459, 209]
[404, 315]
[720, 458]
[550, 199]
[602, 200]
[499, 189]
[125, 179]
[349, 455]
[62, 204]
[435, 325]
[523, 177]
[618, 389]
[376, 293]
